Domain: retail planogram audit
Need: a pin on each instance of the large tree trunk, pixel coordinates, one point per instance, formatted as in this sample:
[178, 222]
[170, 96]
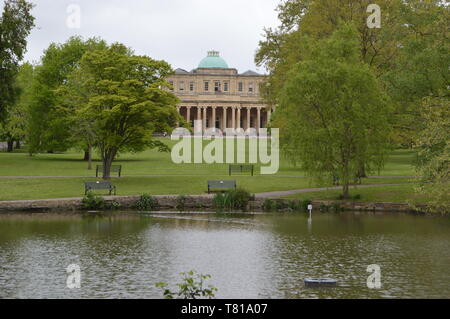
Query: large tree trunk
[362, 171]
[108, 158]
[86, 156]
[346, 191]
[10, 146]
[345, 177]
[89, 157]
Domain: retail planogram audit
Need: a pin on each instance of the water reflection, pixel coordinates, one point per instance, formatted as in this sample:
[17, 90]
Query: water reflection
[249, 256]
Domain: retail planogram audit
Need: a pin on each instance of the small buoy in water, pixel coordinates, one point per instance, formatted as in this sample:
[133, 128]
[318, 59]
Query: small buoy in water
[320, 282]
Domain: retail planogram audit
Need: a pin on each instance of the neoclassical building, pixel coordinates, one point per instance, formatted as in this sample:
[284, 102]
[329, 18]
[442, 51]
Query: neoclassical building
[219, 96]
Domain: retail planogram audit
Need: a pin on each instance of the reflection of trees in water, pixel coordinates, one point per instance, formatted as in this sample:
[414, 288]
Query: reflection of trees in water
[15, 227]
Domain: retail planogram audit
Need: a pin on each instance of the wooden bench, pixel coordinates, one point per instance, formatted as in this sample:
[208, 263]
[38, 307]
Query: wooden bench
[221, 185]
[103, 185]
[114, 169]
[241, 169]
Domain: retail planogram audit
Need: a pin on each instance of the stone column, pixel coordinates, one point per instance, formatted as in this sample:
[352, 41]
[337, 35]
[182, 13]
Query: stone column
[205, 114]
[199, 118]
[233, 117]
[238, 124]
[188, 115]
[258, 124]
[214, 116]
[224, 118]
[199, 113]
[249, 109]
[269, 116]
[179, 112]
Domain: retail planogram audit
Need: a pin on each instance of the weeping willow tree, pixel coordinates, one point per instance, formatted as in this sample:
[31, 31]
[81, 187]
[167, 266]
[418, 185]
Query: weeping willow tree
[333, 113]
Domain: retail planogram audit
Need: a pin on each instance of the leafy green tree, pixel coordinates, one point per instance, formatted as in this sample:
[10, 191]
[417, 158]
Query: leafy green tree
[434, 154]
[16, 23]
[333, 111]
[13, 128]
[422, 65]
[126, 102]
[49, 128]
[409, 53]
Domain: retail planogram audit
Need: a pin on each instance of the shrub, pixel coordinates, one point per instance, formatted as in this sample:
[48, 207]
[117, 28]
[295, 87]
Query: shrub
[113, 205]
[191, 287]
[91, 201]
[147, 202]
[304, 205]
[268, 205]
[294, 205]
[235, 199]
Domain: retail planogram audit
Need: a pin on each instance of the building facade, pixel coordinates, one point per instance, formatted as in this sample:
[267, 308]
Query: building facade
[219, 96]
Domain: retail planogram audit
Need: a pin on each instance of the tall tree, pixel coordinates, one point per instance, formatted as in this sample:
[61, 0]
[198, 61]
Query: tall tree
[333, 111]
[417, 26]
[16, 23]
[13, 129]
[422, 68]
[125, 101]
[434, 154]
[49, 127]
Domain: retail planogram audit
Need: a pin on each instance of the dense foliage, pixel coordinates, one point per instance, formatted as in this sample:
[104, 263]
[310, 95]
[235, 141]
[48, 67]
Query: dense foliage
[16, 22]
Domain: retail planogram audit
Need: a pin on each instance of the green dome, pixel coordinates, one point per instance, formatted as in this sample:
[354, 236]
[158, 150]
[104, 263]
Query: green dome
[213, 60]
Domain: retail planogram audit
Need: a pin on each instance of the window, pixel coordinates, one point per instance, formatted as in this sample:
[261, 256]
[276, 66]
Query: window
[250, 87]
[225, 86]
[206, 86]
[181, 86]
[171, 85]
[240, 86]
[217, 86]
[191, 86]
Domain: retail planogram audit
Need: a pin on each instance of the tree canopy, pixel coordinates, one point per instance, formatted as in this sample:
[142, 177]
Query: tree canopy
[49, 128]
[333, 111]
[16, 23]
[124, 101]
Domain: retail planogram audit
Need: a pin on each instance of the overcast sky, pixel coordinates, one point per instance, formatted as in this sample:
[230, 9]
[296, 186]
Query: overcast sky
[178, 31]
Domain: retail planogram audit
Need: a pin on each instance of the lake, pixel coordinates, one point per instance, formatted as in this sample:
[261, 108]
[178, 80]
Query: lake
[122, 255]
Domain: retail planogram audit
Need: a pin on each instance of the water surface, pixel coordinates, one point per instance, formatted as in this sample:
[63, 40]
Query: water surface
[248, 256]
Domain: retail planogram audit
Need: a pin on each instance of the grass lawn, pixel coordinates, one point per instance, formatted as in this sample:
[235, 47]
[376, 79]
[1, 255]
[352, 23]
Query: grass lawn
[162, 169]
[154, 163]
[392, 194]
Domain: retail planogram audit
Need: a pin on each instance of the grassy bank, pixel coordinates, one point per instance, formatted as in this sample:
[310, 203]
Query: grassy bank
[155, 173]
[391, 194]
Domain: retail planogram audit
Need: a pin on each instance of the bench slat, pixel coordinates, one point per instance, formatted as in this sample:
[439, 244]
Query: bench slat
[223, 185]
[242, 169]
[100, 185]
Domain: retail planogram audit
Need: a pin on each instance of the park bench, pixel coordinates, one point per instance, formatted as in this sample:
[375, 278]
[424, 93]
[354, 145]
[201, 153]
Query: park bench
[114, 169]
[221, 185]
[103, 185]
[241, 169]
